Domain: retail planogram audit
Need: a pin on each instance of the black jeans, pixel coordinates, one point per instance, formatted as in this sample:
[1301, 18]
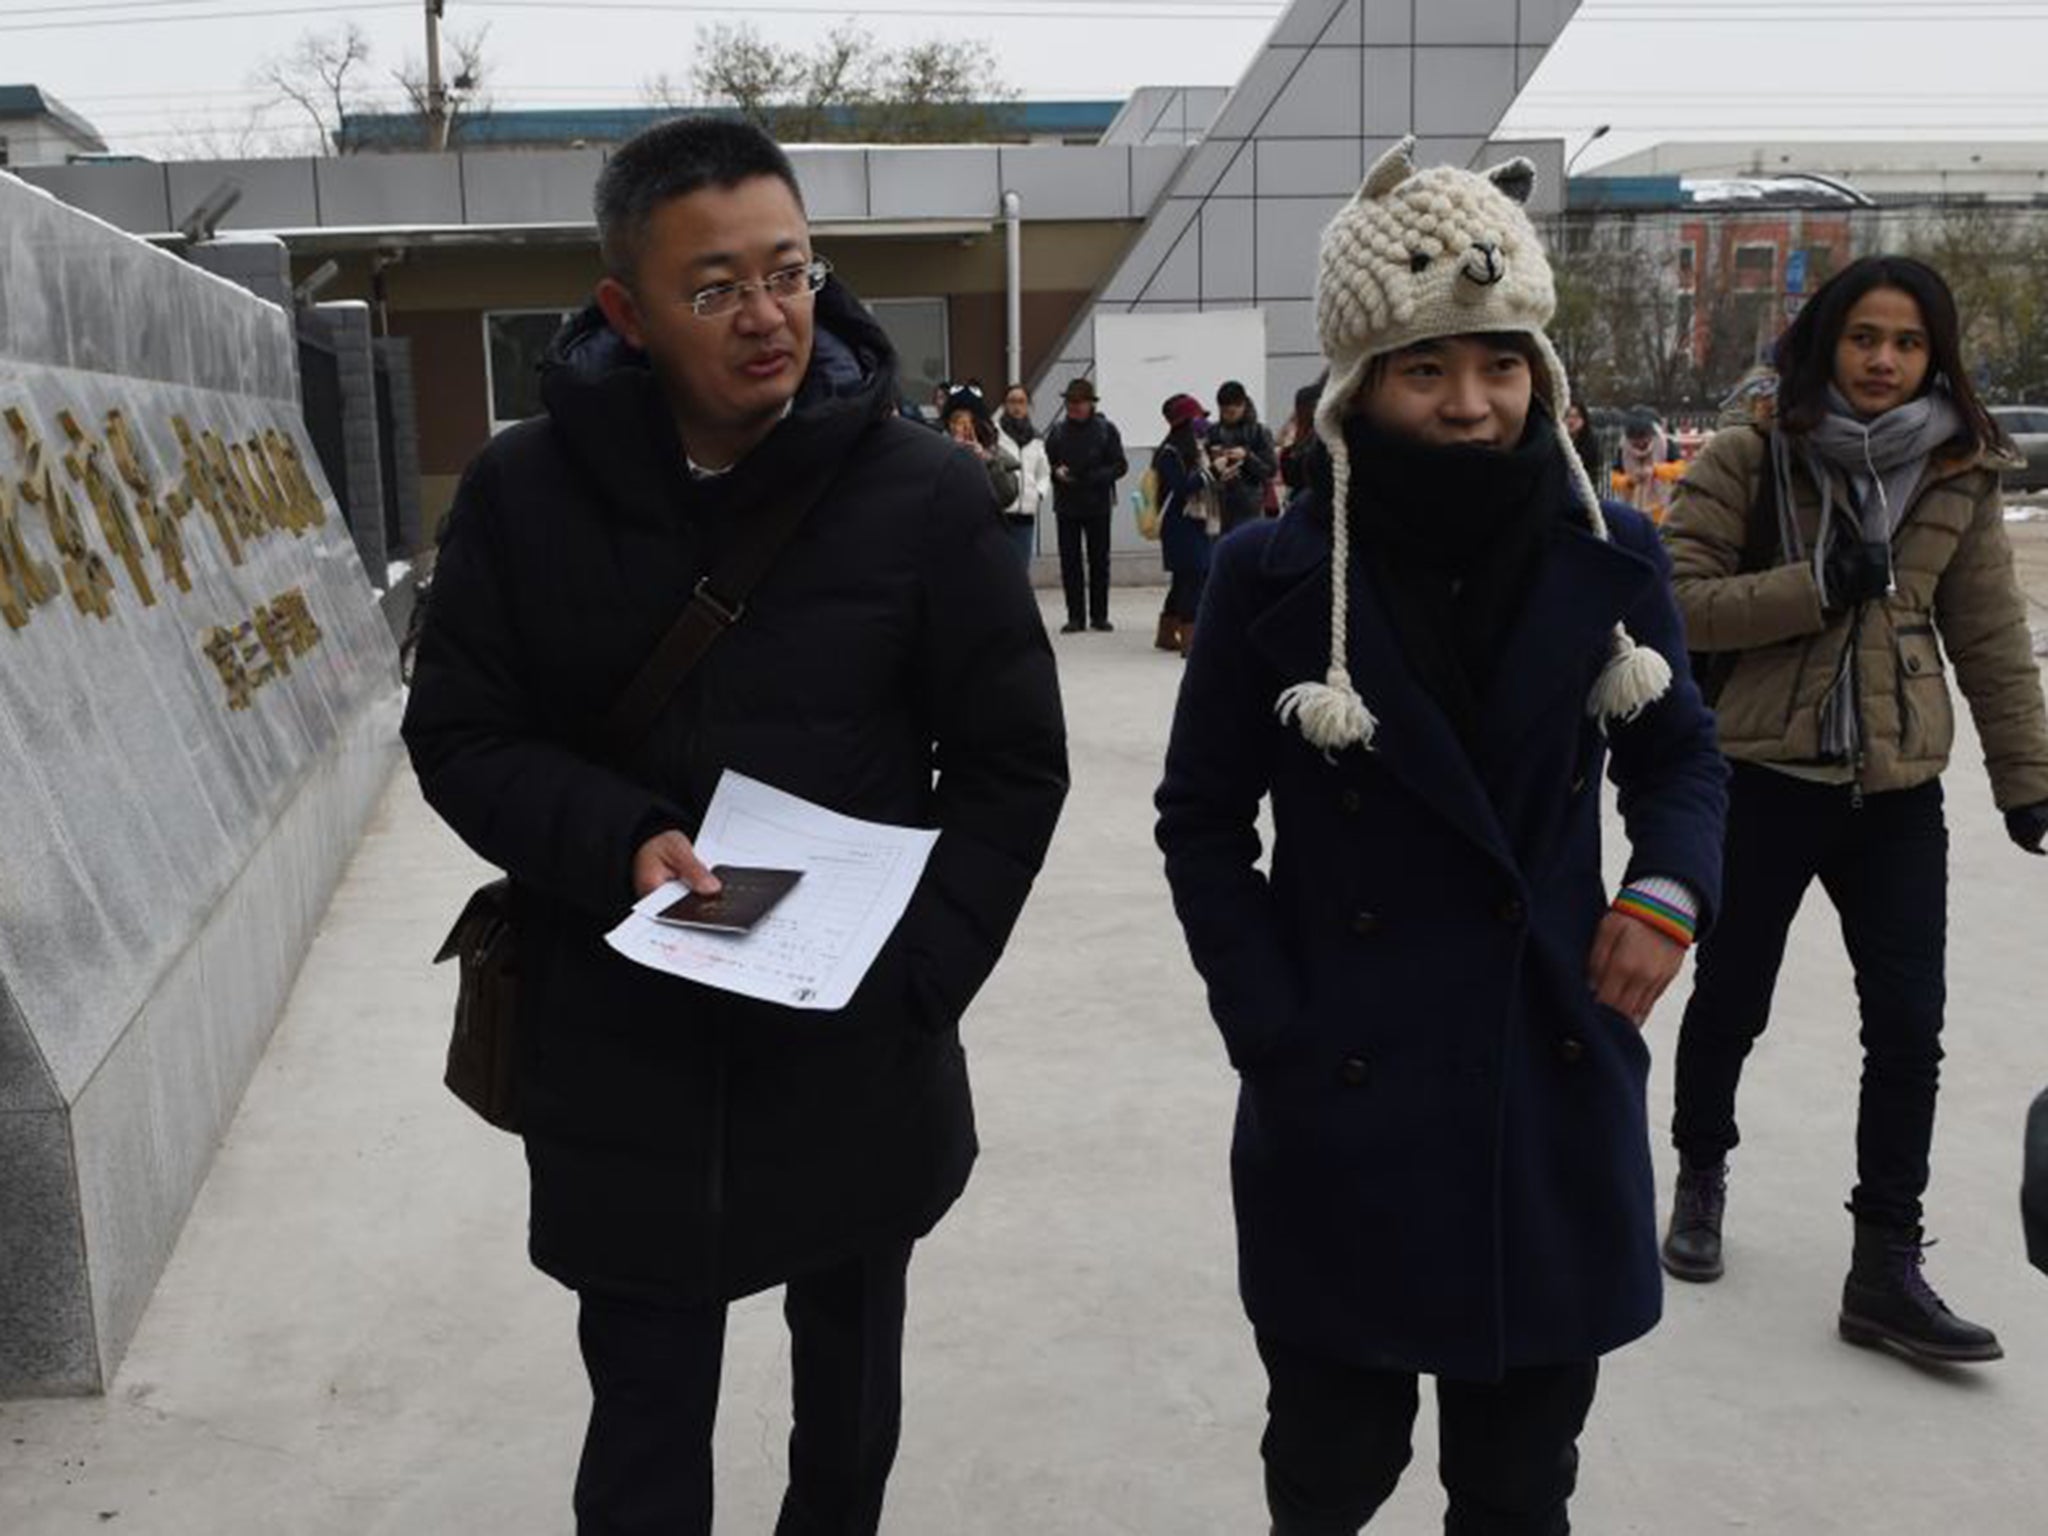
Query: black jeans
[1884, 865]
[1338, 1436]
[1095, 532]
[654, 1370]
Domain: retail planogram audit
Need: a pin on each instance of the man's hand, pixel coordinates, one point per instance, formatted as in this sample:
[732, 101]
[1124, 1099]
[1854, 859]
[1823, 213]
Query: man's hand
[1631, 966]
[2027, 825]
[667, 857]
[1062, 474]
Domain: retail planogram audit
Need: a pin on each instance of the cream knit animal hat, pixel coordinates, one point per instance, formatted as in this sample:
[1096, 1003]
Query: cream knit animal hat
[1417, 255]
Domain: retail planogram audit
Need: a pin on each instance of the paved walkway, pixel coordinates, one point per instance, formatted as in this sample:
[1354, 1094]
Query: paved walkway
[348, 1341]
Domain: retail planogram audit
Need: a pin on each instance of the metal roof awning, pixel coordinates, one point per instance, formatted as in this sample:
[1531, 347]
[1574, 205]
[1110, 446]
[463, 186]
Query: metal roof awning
[333, 240]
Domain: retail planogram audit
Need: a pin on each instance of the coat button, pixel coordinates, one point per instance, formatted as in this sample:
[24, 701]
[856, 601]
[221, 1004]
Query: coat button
[1578, 784]
[1351, 1071]
[1570, 1049]
[1350, 801]
[1512, 912]
[1912, 663]
[1365, 925]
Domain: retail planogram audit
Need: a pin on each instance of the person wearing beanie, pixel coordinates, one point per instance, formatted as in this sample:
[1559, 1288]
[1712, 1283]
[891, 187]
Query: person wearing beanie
[1087, 457]
[1241, 457]
[1835, 562]
[1188, 518]
[1441, 1162]
[967, 423]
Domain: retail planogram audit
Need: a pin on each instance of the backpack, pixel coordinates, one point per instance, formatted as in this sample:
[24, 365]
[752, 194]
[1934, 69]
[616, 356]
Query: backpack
[1145, 504]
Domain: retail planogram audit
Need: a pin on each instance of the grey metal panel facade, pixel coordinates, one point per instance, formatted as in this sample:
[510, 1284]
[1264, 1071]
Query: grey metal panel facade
[276, 194]
[935, 183]
[131, 197]
[834, 182]
[358, 190]
[530, 186]
[1054, 185]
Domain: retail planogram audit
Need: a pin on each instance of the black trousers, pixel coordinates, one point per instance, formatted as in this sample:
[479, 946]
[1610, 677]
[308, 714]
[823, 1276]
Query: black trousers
[1884, 865]
[1094, 532]
[1184, 595]
[646, 1468]
[1338, 1437]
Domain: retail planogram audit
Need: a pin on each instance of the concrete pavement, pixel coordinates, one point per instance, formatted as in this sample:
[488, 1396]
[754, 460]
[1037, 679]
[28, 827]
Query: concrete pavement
[348, 1341]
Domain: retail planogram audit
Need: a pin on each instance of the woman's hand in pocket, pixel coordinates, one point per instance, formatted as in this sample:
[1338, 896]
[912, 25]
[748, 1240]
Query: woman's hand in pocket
[1631, 965]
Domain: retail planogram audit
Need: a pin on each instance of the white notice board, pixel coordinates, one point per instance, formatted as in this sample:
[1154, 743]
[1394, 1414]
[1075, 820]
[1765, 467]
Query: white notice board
[1141, 359]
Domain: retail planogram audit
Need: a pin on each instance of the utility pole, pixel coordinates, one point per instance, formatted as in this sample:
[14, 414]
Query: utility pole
[437, 94]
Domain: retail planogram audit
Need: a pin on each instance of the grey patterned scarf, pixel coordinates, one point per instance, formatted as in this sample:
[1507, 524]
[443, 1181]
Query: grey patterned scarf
[1882, 462]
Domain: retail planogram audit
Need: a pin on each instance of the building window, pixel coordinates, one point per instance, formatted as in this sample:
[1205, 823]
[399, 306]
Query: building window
[3, 151]
[1756, 266]
[515, 340]
[1683, 338]
[917, 329]
[1685, 266]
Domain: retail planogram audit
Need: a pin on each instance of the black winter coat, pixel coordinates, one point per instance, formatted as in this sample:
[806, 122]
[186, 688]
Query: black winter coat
[685, 1143]
[1244, 493]
[1442, 1159]
[1093, 450]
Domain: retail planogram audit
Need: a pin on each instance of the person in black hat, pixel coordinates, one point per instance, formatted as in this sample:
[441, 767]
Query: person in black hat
[1241, 456]
[967, 423]
[1087, 454]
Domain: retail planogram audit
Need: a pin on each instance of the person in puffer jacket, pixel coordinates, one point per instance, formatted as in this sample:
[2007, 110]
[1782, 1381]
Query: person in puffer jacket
[1835, 567]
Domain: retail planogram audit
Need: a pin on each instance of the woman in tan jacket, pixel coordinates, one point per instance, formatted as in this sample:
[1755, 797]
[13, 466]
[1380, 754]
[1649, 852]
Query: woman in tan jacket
[1833, 568]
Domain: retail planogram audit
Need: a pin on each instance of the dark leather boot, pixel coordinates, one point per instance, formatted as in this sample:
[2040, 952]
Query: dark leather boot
[1887, 1302]
[1187, 636]
[1168, 638]
[1692, 1243]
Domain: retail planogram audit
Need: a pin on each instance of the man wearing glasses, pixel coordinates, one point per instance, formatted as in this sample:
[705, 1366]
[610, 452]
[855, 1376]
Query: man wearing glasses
[686, 1146]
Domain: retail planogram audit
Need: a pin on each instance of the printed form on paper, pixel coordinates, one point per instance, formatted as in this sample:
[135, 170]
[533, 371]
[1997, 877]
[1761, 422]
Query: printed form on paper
[814, 948]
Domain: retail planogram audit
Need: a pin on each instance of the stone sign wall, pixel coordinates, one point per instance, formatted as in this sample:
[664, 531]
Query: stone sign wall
[198, 707]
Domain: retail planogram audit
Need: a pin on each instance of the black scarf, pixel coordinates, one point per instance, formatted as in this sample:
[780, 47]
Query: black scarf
[1018, 431]
[1450, 538]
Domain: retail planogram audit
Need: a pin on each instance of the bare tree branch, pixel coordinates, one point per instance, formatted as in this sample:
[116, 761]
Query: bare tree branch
[465, 71]
[319, 76]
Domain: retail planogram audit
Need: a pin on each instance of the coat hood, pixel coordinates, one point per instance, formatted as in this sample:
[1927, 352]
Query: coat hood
[603, 397]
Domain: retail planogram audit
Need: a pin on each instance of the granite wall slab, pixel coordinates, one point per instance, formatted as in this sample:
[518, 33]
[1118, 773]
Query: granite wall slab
[197, 709]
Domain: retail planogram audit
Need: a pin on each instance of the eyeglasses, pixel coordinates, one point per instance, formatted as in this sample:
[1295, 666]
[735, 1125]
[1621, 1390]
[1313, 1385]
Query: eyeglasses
[785, 286]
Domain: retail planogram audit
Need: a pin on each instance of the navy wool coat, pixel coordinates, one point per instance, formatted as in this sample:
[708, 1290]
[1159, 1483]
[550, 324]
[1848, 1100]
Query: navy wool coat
[1441, 1159]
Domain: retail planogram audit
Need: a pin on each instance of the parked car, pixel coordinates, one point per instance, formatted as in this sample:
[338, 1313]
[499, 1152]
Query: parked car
[2027, 426]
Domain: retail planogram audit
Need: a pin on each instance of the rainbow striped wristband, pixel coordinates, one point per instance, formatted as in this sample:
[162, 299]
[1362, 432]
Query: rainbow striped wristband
[1663, 908]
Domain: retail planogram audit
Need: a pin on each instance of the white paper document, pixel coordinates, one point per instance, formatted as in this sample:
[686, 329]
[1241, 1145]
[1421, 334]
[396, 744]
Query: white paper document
[812, 950]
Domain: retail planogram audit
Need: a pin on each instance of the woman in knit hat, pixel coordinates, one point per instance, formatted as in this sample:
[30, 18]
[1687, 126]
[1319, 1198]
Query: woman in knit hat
[1441, 1162]
[1837, 563]
[1188, 518]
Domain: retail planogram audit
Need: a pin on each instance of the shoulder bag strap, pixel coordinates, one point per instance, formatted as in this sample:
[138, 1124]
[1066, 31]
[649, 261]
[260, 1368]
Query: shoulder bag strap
[717, 604]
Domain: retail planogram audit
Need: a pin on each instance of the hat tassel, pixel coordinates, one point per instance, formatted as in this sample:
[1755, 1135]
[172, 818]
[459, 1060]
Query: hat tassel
[1634, 678]
[1330, 714]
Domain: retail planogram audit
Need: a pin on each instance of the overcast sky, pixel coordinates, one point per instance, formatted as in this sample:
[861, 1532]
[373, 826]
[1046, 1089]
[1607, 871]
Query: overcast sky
[166, 77]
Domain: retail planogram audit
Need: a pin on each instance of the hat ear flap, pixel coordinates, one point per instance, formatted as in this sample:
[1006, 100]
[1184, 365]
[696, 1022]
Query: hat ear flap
[1389, 171]
[1516, 178]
